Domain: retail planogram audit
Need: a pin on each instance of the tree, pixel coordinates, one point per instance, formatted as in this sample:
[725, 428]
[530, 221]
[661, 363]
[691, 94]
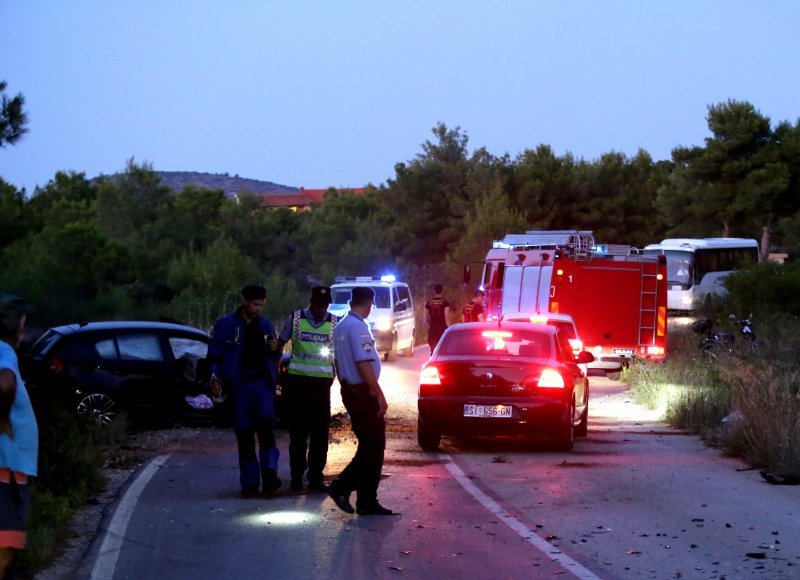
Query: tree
[13, 118]
[738, 181]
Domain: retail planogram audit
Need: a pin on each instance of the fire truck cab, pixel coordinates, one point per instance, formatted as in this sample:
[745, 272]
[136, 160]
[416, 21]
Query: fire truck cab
[616, 296]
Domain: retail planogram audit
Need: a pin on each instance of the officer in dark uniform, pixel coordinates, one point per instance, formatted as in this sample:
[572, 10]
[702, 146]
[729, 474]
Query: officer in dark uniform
[310, 376]
[358, 367]
[473, 310]
[243, 353]
[437, 312]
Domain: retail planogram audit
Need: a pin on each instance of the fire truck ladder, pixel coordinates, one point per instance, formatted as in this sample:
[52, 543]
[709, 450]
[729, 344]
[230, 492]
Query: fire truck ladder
[577, 244]
[648, 314]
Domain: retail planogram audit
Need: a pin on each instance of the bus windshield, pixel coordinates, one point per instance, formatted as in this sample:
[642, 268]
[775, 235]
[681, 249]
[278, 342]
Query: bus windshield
[679, 266]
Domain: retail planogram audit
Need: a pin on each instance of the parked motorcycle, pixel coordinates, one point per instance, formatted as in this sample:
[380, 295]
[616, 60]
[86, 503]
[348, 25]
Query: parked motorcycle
[715, 342]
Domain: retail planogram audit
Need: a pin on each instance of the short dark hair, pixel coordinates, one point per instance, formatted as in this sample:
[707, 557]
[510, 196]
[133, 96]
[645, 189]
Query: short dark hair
[438, 288]
[362, 295]
[254, 292]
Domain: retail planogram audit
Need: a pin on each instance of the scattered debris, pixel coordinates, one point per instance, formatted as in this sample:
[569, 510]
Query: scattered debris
[776, 479]
[501, 459]
[757, 555]
[632, 552]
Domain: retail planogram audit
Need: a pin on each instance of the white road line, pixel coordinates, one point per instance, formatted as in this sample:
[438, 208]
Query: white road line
[115, 534]
[512, 522]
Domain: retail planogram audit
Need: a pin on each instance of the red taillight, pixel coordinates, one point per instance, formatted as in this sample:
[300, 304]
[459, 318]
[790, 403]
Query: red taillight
[496, 334]
[551, 379]
[430, 376]
[56, 366]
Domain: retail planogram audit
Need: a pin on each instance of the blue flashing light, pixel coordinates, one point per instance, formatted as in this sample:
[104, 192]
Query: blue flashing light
[388, 278]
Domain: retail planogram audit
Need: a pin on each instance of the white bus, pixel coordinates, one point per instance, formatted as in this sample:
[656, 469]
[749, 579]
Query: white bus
[696, 267]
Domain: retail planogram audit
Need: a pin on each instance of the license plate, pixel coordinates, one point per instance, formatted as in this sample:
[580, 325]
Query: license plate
[623, 351]
[491, 411]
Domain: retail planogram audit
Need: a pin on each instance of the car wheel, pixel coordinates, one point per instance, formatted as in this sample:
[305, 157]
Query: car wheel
[583, 427]
[427, 438]
[98, 407]
[565, 433]
[391, 354]
[408, 351]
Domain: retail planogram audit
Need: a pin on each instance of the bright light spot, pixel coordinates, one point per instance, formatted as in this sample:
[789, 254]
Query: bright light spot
[383, 324]
[496, 334]
[388, 278]
[681, 320]
[598, 350]
[287, 518]
[325, 351]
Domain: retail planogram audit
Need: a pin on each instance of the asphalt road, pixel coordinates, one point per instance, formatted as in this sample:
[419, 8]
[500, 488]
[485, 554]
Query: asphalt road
[634, 499]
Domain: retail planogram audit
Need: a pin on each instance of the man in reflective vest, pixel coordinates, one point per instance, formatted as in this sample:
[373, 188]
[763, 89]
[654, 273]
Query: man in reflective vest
[308, 393]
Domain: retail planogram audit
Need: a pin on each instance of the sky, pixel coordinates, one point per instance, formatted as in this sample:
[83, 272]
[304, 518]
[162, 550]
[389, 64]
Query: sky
[316, 94]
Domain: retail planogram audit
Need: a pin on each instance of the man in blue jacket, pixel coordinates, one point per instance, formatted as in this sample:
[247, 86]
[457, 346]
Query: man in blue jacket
[243, 354]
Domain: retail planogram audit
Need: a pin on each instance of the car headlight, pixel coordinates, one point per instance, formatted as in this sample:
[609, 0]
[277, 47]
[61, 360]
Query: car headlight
[383, 324]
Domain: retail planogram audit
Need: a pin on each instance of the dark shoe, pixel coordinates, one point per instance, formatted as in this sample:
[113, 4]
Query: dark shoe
[250, 493]
[375, 510]
[341, 500]
[317, 485]
[297, 484]
[271, 483]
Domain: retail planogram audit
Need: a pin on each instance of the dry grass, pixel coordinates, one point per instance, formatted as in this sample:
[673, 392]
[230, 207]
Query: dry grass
[746, 402]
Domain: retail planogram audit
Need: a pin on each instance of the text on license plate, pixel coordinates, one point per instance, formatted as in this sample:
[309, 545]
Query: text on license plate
[623, 351]
[493, 411]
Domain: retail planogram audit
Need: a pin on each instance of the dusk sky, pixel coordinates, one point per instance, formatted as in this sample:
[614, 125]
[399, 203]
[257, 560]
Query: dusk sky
[319, 94]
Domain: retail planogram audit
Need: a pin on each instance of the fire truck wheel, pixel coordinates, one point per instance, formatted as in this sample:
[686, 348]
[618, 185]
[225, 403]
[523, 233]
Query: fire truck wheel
[565, 432]
[427, 438]
[583, 427]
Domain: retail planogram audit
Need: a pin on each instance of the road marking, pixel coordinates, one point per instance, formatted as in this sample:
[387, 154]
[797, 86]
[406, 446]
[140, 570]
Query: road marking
[512, 522]
[112, 541]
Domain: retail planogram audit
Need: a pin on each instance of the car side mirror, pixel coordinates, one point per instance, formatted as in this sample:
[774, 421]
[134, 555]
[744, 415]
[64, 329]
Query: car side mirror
[584, 357]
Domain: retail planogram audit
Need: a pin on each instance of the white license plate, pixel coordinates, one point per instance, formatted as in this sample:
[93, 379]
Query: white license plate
[623, 351]
[491, 411]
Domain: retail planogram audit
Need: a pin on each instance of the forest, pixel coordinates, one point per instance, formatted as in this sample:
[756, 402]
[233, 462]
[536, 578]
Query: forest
[129, 247]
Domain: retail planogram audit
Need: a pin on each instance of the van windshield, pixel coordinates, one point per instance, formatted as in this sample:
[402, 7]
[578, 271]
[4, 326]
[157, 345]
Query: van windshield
[342, 296]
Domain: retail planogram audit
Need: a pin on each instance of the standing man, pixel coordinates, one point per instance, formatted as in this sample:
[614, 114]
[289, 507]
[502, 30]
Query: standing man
[19, 434]
[473, 310]
[309, 390]
[243, 354]
[437, 313]
[358, 367]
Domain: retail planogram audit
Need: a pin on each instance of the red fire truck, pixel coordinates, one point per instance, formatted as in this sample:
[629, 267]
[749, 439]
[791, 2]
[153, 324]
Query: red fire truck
[616, 296]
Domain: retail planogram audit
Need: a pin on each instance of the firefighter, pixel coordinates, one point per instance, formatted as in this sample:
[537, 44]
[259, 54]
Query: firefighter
[308, 392]
[437, 312]
[473, 310]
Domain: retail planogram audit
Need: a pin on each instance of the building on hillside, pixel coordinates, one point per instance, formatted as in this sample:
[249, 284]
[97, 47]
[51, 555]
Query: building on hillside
[302, 200]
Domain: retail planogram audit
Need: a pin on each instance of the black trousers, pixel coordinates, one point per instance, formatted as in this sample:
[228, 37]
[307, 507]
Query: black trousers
[434, 334]
[363, 473]
[309, 406]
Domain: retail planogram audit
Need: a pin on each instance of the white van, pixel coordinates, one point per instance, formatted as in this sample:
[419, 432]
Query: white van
[392, 318]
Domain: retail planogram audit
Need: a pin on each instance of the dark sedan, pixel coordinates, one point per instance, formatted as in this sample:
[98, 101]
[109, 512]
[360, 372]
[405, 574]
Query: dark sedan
[148, 369]
[508, 378]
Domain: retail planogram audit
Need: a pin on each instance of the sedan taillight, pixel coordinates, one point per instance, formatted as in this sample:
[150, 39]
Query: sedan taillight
[430, 376]
[56, 366]
[551, 379]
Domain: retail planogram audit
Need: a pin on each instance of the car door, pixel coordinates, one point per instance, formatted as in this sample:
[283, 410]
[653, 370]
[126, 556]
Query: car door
[146, 376]
[404, 312]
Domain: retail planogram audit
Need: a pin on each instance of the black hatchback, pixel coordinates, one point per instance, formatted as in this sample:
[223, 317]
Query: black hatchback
[148, 369]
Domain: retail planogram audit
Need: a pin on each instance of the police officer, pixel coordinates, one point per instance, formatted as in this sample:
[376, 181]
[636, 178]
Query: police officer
[437, 312]
[358, 366]
[310, 376]
[243, 352]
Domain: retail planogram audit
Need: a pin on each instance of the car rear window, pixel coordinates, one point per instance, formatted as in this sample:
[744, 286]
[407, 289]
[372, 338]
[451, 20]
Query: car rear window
[566, 328]
[45, 343]
[483, 343]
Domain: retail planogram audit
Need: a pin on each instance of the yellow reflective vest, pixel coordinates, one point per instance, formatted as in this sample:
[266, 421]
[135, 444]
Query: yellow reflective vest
[312, 348]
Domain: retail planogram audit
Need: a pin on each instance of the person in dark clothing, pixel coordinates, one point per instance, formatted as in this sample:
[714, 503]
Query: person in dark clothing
[437, 313]
[310, 376]
[473, 310]
[243, 354]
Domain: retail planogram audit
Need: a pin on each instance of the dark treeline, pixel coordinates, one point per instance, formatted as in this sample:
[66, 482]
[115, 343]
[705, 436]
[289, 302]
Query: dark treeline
[129, 247]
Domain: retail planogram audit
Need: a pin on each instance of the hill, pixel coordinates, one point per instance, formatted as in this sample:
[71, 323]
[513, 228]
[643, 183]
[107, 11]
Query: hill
[231, 185]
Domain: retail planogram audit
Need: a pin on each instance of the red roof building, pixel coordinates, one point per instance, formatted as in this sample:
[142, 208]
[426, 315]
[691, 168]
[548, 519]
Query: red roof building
[300, 201]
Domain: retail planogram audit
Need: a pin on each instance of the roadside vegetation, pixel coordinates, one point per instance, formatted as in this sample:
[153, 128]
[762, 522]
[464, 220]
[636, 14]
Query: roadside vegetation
[747, 401]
